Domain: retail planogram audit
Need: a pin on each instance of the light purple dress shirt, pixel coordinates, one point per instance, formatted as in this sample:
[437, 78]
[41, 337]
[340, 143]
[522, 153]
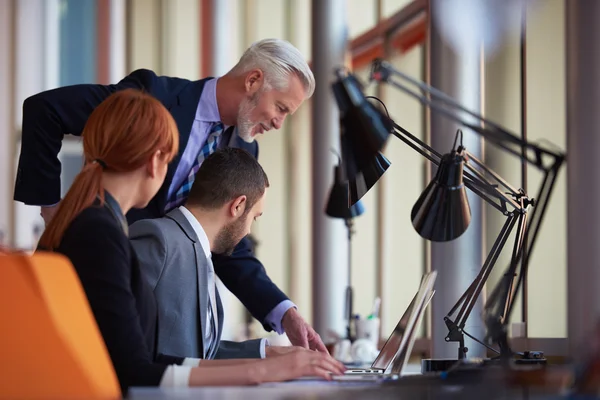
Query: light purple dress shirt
[207, 114]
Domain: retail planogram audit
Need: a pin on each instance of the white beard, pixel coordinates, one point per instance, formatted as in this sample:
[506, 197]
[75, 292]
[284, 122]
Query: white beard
[244, 123]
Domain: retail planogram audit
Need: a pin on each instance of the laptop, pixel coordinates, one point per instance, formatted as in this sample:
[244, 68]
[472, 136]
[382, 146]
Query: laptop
[395, 353]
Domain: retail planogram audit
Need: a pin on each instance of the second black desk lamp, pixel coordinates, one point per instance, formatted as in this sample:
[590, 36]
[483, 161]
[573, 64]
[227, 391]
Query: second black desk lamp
[338, 207]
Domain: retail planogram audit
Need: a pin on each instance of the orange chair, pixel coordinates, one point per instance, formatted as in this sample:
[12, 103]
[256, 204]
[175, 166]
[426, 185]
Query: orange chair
[50, 345]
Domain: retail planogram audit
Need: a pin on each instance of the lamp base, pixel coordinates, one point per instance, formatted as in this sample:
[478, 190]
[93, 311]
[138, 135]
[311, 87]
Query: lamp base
[531, 358]
[429, 365]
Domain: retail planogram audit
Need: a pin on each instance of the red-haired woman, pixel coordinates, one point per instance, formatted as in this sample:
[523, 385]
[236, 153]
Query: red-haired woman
[128, 142]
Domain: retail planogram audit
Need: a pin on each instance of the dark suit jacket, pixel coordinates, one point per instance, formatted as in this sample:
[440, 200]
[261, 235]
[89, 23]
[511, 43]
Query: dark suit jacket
[50, 115]
[179, 280]
[121, 300]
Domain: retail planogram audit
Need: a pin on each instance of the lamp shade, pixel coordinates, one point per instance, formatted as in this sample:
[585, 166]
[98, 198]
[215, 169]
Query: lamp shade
[442, 212]
[367, 177]
[338, 205]
[364, 129]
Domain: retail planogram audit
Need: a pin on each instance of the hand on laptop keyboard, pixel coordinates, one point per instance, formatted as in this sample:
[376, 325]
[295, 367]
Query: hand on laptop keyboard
[296, 365]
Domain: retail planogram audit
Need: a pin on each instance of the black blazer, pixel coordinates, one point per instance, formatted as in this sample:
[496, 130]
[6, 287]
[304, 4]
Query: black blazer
[121, 300]
[50, 115]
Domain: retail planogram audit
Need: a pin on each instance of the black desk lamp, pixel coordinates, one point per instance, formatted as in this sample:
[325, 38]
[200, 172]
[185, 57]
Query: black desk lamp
[442, 212]
[338, 207]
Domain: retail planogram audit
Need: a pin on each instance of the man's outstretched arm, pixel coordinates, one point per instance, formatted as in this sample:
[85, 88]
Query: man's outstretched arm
[47, 117]
[246, 277]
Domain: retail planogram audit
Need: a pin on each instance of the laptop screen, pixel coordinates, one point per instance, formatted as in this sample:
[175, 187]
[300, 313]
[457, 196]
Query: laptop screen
[403, 355]
[404, 329]
[392, 344]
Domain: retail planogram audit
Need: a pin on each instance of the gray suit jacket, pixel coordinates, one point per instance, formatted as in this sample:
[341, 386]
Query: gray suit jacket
[174, 264]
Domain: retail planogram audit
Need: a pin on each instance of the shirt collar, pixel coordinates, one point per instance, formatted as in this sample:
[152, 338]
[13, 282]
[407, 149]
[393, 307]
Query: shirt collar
[202, 237]
[113, 205]
[208, 110]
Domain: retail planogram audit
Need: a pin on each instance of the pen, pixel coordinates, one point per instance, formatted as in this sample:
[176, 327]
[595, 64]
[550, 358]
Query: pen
[376, 306]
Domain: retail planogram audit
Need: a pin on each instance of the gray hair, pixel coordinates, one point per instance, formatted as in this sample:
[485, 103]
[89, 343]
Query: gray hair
[277, 59]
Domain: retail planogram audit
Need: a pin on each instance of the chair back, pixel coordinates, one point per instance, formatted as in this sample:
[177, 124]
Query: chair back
[51, 345]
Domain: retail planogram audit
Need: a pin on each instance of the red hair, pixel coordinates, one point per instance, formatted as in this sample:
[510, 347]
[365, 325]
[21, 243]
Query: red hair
[121, 135]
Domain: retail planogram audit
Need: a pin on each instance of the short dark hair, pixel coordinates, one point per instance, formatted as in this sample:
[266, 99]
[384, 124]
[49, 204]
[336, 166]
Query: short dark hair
[225, 175]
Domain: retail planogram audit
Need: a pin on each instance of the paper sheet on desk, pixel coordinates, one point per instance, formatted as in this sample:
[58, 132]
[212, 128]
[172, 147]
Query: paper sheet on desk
[313, 381]
[317, 383]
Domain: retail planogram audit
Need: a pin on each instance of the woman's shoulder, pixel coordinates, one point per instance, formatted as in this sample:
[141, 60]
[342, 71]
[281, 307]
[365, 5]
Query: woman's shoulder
[93, 222]
[98, 215]
[95, 237]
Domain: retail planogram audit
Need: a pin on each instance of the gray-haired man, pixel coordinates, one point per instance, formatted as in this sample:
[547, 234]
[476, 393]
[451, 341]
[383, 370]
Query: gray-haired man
[270, 81]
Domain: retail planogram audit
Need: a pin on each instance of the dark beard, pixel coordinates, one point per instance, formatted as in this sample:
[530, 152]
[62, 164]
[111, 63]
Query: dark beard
[229, 236]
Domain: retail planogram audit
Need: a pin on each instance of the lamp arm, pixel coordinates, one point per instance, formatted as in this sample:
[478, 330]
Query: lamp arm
[383, 71]
[491, 189]
[495, 315]
[538, 160]
[482, 190]
[416, 144]
[509, 295]
[473, 179]
[515, 193]
[477, 285]
[467, 301]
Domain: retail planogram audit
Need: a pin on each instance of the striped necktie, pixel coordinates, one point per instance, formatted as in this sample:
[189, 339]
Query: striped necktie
[179, 197]
[212, 339]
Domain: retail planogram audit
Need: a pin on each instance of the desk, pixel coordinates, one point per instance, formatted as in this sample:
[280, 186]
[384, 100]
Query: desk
[345, 390]
[273, 391]
[477, 385]
[283, 390]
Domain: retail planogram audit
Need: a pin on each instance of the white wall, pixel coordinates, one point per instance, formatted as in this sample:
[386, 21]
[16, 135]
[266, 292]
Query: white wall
[144, 35]
[180, 52]
[404, 250]
[546, 120]
[298, 156]
[362, 16]
[503, 105]
[6, 120]
[266, 19]
[118, 40]
[29, 78]
[391, 7]
[545, 52]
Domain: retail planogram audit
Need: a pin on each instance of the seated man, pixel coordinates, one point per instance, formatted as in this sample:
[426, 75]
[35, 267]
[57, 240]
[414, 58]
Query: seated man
[175, 256]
